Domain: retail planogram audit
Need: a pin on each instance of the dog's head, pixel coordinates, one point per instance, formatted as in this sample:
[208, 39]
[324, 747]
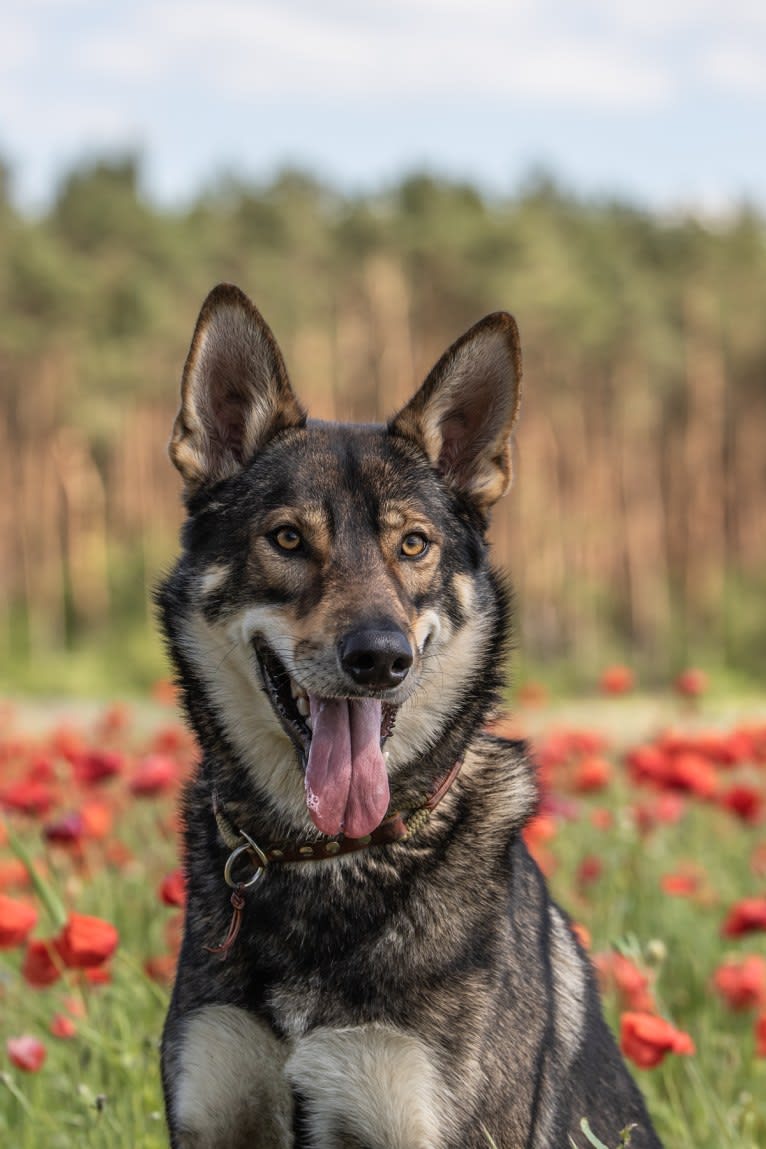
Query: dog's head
[332, 602]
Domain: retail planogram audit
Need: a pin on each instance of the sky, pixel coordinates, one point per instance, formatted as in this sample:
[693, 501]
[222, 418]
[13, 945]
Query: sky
[662, 102]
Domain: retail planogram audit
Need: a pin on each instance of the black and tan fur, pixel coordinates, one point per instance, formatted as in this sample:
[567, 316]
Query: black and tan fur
[425, 994]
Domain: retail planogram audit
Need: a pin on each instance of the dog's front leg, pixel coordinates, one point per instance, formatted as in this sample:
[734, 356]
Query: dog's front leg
[227, 1088]
[368, 1087]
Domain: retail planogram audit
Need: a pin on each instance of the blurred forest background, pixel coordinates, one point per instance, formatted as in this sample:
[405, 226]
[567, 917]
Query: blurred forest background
[637, 526]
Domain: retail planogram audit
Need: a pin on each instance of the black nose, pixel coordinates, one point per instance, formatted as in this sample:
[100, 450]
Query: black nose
[376, 657]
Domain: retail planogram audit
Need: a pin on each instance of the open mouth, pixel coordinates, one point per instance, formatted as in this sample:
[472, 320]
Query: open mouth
[340, 741]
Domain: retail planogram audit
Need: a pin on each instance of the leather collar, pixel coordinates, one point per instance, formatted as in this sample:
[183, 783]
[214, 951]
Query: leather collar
[396, 827]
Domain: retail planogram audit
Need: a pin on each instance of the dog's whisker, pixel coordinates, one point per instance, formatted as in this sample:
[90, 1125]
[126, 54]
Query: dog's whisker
[226, 655]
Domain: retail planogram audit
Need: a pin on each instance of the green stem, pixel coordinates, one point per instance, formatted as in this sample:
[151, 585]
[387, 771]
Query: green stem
[13, 1089]
[45, 892]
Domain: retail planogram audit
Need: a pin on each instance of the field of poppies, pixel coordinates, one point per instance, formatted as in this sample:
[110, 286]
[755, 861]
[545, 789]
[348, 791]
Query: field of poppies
[651, 831]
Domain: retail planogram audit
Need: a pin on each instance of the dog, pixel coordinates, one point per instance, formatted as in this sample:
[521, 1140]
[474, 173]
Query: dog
[371, 959]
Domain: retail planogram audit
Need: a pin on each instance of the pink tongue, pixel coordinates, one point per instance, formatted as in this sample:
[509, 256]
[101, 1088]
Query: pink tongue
[346, 778]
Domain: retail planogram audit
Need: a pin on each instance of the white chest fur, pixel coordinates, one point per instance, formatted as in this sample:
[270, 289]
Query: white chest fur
[371, 1084]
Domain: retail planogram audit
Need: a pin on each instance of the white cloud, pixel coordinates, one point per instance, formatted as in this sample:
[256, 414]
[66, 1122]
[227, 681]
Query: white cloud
[292, 51]
[592, 75]
[17, 43]
[199, 81]
[738, 68]
[105, 54]
[663, 16]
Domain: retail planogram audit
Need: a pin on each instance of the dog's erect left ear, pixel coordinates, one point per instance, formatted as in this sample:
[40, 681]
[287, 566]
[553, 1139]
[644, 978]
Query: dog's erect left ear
[235, 393]
[463, 414]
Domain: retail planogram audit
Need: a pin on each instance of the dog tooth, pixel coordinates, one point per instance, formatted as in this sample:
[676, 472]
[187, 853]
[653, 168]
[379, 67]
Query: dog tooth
[308, 722]
[302, 705]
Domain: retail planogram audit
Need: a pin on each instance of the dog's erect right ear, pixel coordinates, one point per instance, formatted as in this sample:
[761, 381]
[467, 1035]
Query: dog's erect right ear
[463, 414]
[235, 393]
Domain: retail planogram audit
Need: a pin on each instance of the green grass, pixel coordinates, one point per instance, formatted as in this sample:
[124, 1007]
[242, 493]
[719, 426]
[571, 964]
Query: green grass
[717, 1099]
[101, 1089]
[121, 660]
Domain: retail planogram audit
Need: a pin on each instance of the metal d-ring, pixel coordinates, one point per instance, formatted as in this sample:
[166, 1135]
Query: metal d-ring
[248, 847]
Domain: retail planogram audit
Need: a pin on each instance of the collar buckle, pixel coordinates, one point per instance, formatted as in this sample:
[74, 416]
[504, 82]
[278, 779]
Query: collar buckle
[248, 847]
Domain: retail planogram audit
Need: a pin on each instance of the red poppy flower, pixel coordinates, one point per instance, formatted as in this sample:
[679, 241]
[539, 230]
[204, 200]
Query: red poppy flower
[587, 741]
[172, 889]
[591, 773]
[632, 985]
[589, 870]
[28, 796]
[666, 809]
[161, 968]
[26, 1052]
[760, 1036]
[39, 967]
[75, 1006]
[745, 917]
[532, 694]
[617, 680]
[165, 692]
[41, 768]
[551, 751]
[172, 739]
[95, 766]
[757, 736]
[65, 830]
[691, 771]
[646, 1039]
[536, 834]
[737, 747]
[647, 764]
[742, 984]
[97, 975]
[118, 854]
[66, 741]
[17, 919]
[684, 882]
[582, 933]
[115, 720]
[152, 775]
[670, 809]
[540, 829]
[13, 873]
[62, 1026]
[559, 806]
[691, 683]
[96, 818]
[86, 941]
[744, 801]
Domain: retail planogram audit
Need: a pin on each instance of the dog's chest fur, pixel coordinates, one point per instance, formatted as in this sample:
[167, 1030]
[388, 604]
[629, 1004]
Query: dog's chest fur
[375, 1012]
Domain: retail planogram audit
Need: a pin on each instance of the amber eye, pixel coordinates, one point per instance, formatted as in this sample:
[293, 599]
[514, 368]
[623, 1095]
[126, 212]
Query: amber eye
[287, 539]
[414, 545]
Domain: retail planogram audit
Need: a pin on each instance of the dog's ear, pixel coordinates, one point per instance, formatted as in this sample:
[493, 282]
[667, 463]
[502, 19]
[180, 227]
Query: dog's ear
[235, 393]
[463, 414]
